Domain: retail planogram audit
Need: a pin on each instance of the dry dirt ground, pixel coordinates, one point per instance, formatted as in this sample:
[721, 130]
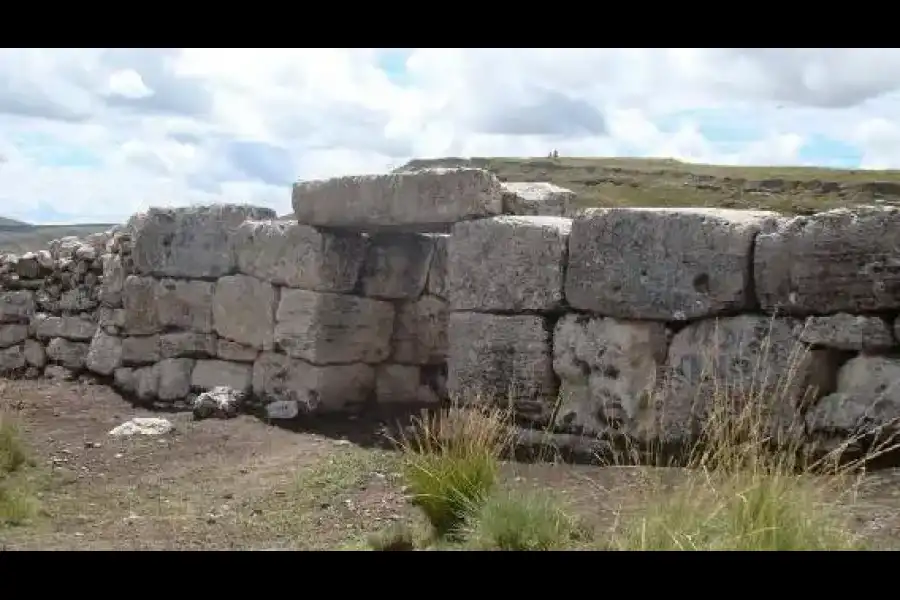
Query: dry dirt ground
[244, 484]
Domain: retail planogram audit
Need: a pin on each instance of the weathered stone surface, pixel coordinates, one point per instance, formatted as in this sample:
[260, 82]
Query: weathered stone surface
[69, 354]
[124, 380]
[185, 304]
[508, 263]
[420, 332]
[608, 371]
[12, 334]
[16, 306]
[327, 329]
[114, 274]
[35, 355]
[739, 360]
[397, 265]
[501, 359]
[424, 201]
[193, 242]
[843, 331]
[71, 328]
[11, 359]
[220, 402]
[81, 299]
[867, 397]
[228, 350]
[174, 378]
[140, 350]
[187, 344]
[841, 260]
[105, 353]
[146, 383]
[139, 300]
[111, 320]
[244, 310]
[398, 384]
[209, 374]
[299, 256]
[437, 274]
[299, 387]
[661, 263]
[536, 198]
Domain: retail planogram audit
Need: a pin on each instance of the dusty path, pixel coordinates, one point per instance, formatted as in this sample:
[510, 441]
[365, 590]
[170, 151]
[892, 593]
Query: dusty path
[242, 484]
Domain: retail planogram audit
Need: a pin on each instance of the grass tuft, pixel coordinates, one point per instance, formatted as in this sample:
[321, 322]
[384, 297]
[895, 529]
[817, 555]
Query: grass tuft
[451, 462]
[17, 504]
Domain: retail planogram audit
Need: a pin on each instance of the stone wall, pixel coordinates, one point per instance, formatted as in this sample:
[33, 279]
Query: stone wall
[412, 287]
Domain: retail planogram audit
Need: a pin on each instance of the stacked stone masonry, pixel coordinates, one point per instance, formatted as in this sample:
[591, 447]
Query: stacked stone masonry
[416, 287]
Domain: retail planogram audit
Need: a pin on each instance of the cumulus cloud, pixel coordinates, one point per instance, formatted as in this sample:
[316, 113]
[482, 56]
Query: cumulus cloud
[96, 134]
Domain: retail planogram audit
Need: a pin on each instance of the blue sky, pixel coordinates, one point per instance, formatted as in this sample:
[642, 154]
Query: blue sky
[98, 134]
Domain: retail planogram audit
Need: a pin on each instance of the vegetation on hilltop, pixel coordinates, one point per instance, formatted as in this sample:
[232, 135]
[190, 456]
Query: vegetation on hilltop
[668, 182]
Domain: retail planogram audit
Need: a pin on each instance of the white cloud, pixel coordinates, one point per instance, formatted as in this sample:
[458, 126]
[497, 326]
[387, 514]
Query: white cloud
[93, 133]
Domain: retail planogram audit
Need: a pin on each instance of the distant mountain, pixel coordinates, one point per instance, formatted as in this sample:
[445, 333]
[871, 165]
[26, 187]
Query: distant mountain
[8, 224]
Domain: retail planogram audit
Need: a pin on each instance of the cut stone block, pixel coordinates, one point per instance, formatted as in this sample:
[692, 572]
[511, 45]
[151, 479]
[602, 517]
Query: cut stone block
[35, 355]
[193, 242]
[508, 263]
[11, 359]
[396, 266]
[187, 344]
[300, 388]
[17, 306]
[299, 256]
[608, 371]
[140, 350]
[71, 328]
[228, 350]
[420, 332]
[105, 353]
[537, 199]
[139, 300]
[333, 328]
[185, 304]
[244, 310]
[69, 354]
[501, 360]
[398, 384]
[662, 263]
[174, 378]
[13, 334]
[209, 374]
[867, 398]
[845, 260]
[427, 200]
[848, 332]
[739, 354]
[114, 274]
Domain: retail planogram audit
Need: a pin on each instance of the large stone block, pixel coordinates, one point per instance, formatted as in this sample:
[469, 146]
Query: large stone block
[537, 198]
[139, 299]
[299, 256]
[867, 398]
[13, 334]
[105, 353]
[397, 265]
[72, 328]
[663, 264]
[333, 328]
[193, 242]
[508, 263]
[420, 332]
[845, 260]
[185, 304]
[849, 332]
[71, 355]
[608, 372]
[16, 306]
[174, 378]
[729, 363]
[244, 310]
[11, 359]
[502, 360]
[427, 200]
[208, 374]
[291, 386]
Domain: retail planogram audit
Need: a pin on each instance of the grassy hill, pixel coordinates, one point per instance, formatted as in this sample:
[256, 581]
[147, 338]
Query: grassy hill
[18, 237]
[667, 182]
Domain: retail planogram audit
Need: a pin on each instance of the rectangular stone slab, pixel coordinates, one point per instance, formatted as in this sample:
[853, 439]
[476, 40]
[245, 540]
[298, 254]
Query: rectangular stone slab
[508, 263]
[427, 200]
[663, 264]
[845, 260]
